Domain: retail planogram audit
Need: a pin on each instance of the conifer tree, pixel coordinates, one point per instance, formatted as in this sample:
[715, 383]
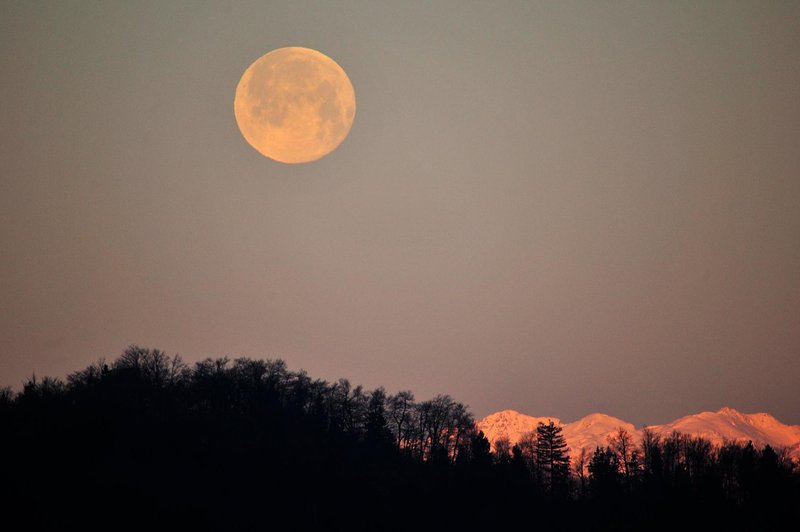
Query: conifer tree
[552, 458]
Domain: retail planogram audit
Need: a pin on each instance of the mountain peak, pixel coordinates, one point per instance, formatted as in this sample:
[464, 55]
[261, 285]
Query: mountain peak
[510, 424]
[597, 429]
[506, 413]
[598, 417]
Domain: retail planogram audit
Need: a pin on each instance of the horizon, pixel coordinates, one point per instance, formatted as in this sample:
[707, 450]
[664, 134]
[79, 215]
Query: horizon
[250, 445]
[478, 418]
[562, 207]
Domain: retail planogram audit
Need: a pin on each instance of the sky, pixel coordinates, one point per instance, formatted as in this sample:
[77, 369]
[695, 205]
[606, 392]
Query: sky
[554, 207]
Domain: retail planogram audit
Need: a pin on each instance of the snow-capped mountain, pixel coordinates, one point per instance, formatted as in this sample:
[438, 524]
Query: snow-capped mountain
[728, 424]
[596, 429]
[511, 424]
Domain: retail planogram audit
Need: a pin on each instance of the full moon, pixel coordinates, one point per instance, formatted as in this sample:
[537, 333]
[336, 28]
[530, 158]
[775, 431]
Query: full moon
[294, 105]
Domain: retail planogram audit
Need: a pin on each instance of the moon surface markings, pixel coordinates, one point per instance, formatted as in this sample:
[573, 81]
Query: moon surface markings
[294, 105]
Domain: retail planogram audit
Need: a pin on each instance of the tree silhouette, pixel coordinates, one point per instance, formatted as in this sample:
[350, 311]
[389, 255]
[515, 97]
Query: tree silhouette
[147, 441]
[580, 468]
[552, 459]
[400, 408]
[604, 472]
[480, 450]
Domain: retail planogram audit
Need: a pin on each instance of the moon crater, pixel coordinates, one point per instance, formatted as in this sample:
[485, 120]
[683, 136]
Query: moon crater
[294, 105]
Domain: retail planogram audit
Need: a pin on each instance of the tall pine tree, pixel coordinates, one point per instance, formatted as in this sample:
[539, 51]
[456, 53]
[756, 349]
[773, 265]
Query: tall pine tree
[552, 459]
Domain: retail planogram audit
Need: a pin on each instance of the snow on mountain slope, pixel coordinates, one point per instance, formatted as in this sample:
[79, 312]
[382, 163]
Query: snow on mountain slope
[588, 432]
[596, 430]
[510, 424]
[728, 424]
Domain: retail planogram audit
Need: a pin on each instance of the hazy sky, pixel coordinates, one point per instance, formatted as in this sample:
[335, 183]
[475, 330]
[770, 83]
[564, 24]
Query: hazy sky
[555, 207]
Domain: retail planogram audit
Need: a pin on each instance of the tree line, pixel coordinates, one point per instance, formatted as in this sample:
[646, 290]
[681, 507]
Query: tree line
[147, 440]
[675, 466]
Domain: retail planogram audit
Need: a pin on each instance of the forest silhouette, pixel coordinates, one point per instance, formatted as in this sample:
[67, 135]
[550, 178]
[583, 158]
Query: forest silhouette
[148, 442]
